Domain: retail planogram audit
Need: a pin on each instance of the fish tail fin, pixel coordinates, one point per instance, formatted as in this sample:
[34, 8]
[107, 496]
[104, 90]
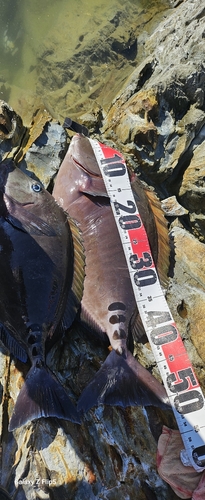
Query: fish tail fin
[42, 395]
[122, 381]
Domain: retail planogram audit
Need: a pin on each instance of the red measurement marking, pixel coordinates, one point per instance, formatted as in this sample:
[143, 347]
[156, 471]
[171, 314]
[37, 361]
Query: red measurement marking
[138, 240]
[177, 357]
[140, 248]
[110, 152]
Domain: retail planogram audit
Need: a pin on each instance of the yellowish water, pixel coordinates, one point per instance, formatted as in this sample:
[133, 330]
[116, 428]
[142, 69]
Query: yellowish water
[32, 28]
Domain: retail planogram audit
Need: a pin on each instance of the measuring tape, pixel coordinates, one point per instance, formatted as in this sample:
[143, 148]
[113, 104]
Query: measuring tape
[183, 389]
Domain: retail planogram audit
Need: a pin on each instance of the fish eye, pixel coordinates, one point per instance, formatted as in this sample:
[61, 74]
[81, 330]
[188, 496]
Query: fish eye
[36, 187]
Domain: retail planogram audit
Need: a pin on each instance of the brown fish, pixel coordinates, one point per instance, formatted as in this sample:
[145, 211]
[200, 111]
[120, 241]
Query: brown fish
[108, 304]
[40, 289]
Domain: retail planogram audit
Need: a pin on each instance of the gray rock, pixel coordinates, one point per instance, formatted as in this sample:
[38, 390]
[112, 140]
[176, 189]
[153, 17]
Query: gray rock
[158, 118]
[12, 130]
[158, 121]
[44, 156]
[172, 208]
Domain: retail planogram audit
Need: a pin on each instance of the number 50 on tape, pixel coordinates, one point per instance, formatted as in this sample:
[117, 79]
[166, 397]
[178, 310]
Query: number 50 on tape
[185, 395]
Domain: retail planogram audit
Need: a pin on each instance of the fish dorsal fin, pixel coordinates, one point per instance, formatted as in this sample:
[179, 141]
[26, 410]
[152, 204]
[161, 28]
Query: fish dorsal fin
[160, 247]
[76, 292]
[156, 227]
[163, 253]
[137, 328]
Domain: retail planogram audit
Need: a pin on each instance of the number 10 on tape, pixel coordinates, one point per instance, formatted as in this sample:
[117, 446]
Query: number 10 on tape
[183, 389]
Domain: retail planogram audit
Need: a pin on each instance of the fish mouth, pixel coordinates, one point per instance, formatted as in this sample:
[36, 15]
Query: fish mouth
[86, 169]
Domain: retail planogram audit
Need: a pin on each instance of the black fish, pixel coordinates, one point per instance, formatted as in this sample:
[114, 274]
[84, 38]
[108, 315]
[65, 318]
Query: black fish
[4, 495]
[108, 305]
[40, 289]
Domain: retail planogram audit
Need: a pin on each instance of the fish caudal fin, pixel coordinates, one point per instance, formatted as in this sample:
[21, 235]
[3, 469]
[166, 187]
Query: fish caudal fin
[122, 381]
[42, 395]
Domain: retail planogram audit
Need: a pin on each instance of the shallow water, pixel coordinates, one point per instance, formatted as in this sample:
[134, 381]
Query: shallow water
[56, 52]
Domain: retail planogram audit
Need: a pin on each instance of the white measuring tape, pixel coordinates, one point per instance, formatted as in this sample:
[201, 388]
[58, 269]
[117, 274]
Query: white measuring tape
[180, 381]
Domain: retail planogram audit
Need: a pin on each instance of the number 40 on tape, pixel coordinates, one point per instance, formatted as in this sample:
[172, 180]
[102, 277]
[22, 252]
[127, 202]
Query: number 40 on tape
[185, 395]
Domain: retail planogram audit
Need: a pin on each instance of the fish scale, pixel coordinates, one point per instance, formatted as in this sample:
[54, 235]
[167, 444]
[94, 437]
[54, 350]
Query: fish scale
[182, 386]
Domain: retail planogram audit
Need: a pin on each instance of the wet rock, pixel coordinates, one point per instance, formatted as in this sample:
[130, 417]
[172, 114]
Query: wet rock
[132, 121]
[172, 208]
[43, 148]
[12, 129]
[174, 74]
[124, 43]
[192, 189]
[44, 156]
[93, 119]
[186, 294]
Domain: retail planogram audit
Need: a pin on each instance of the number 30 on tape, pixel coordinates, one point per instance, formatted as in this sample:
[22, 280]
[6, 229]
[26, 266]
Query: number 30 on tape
[180, 381]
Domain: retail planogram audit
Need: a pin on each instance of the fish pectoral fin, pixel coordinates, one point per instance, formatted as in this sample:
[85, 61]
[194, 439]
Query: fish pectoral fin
[122, 381]
[30, 223]
[12, 344]
[76, 292]
[42, 395]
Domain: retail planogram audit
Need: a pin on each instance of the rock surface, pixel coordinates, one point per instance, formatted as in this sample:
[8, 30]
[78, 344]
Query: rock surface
[157, 121]
[158, 118]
